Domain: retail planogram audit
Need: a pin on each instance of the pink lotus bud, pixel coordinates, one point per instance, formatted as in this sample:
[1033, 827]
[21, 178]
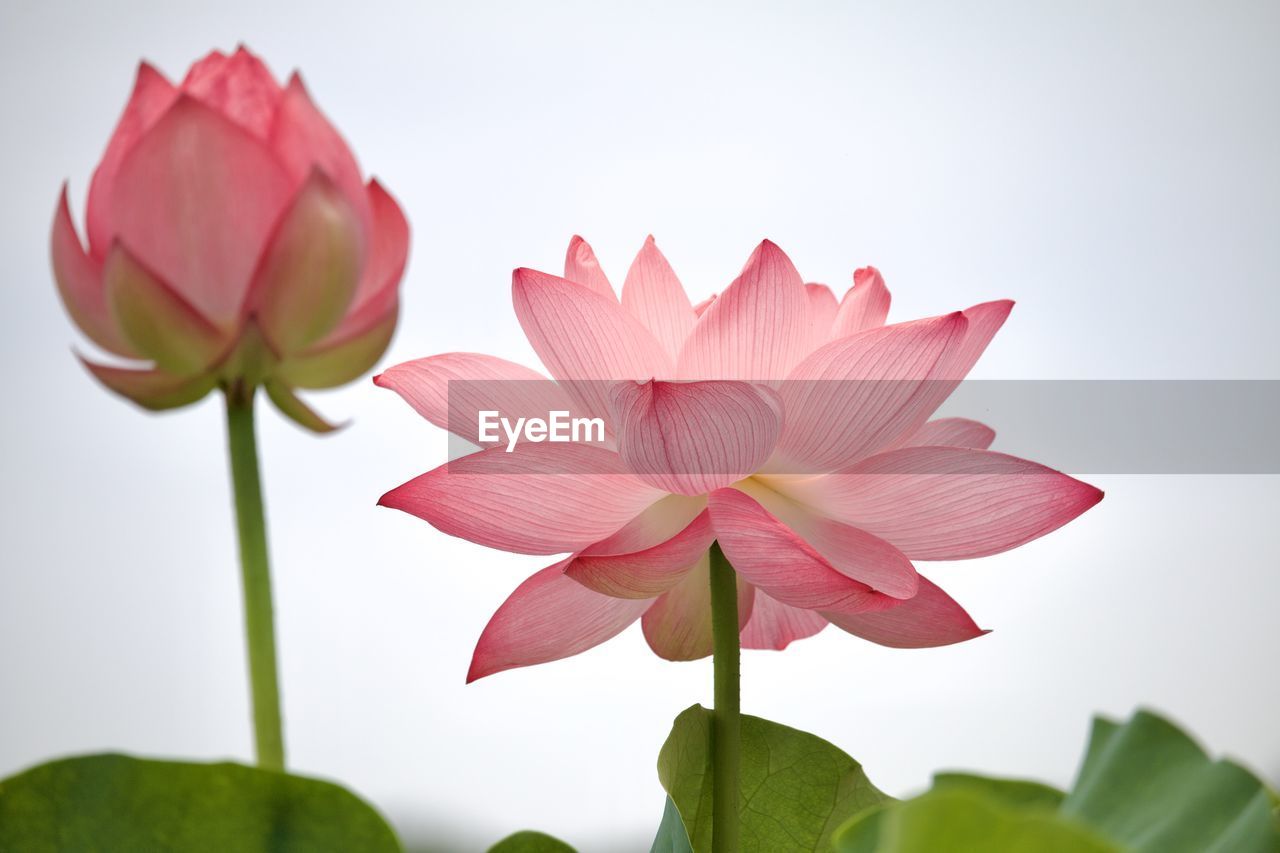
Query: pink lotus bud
[232, 241]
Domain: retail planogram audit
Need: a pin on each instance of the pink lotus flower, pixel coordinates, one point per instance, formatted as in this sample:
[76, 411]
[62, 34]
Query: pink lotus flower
[791, 428]
[231, 239]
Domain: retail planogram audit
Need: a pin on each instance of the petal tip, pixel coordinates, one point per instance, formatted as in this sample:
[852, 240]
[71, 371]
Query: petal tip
[479, 668]
[1000, 307]
[63, 221]
[771, 252]
[868, 278]
[147, 72]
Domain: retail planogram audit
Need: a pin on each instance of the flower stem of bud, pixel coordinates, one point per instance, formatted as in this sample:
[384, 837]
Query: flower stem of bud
[726, 721]
[259, 618]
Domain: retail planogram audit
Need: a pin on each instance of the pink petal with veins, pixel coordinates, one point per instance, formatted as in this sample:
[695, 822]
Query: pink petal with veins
[774, 625]
[949, 503]
[451, 390]
[758, 328]
[678, 625]
[653, 295]
[581, 335]
[549, 617]
[860, 393]
[953, 432]
[691, 438]
[539, 499]
[581, 267]
[617, 567]
[932, 618]
[822, 314]
[769, 555]
[865, 305]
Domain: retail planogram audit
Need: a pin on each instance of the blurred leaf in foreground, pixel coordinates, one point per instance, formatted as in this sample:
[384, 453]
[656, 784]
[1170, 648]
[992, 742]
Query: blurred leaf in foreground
[1143, 787]
[115, 802]
[530, 841]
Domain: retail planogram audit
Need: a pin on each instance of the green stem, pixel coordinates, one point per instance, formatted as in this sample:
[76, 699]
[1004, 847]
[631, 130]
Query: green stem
[726, 719]
[259, 621]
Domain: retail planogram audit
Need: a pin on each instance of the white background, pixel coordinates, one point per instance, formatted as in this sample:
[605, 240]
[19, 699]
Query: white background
[1111, 166]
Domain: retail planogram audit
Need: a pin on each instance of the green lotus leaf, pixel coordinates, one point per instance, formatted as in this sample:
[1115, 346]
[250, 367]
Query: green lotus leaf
[796, 788]
[115, 802]
[530, 841]
[1143, 787]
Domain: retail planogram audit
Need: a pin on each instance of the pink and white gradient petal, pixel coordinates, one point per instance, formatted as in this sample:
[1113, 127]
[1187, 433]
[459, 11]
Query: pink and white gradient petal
[774, 625]
[854, 552]
[549, 617]
[450, 390]
[616, 566]
[678, 625]
[930, 619]
[581, 335]
[822, 314]
[984, 321]
[769, 555]
[948, 503]
[757, 329]
[981, 324]
[654, 296]
[581, 267]
[865, 305]
[858, 394]
[691, 438]
[952, 432]
[539, 499]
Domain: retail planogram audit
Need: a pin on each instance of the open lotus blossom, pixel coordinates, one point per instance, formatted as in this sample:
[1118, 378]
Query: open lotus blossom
[791, 427]
[231, 238]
